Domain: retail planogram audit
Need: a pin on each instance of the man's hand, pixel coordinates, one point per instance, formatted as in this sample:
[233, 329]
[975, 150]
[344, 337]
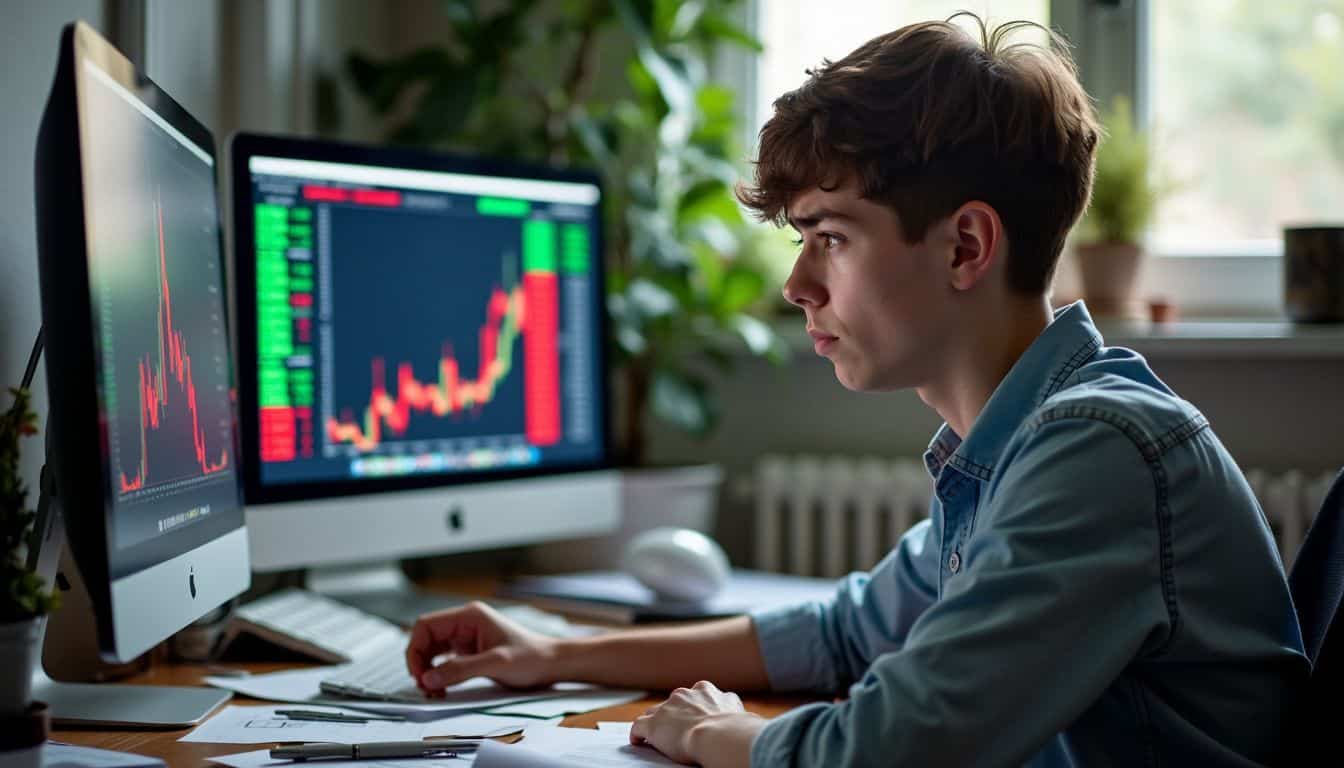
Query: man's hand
[478, 642]
[700, 725]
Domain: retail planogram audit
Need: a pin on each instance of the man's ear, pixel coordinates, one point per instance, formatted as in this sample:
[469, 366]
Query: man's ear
[977, 234]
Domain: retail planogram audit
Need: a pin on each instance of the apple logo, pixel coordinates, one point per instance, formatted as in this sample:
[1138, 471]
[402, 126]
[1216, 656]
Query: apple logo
[191, 582]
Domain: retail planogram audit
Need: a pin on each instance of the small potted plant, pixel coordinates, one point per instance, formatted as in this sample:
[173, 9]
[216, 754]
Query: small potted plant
[1109, 248]
[24, 599]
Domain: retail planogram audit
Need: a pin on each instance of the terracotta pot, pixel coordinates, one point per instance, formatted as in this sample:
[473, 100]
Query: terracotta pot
[1108, 274]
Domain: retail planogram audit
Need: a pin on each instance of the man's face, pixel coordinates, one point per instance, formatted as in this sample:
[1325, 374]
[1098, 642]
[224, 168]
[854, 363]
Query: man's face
[877, 307]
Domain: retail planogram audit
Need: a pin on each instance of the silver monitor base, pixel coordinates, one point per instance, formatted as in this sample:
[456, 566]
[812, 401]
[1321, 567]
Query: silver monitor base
[88, 705]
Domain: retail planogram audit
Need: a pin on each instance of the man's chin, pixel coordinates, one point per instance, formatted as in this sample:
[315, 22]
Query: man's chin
[866, 380]
[854, 381]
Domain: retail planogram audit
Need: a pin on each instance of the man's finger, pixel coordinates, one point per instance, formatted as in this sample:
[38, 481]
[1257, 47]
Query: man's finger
[419, 650]
[458, 668]
[639, 730]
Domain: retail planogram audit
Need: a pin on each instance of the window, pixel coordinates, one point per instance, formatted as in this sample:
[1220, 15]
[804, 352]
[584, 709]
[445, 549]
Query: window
[1246, 107]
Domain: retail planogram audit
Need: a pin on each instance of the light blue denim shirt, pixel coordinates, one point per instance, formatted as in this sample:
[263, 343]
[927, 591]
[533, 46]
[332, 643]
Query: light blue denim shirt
[1095, 585]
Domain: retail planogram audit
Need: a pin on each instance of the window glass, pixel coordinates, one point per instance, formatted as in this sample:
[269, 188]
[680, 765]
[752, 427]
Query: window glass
[1247, 113]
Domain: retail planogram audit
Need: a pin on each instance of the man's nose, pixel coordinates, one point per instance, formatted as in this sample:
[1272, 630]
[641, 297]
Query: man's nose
[803, 289]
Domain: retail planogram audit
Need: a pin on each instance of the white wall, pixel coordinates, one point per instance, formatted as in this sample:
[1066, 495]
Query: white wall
[29, 41]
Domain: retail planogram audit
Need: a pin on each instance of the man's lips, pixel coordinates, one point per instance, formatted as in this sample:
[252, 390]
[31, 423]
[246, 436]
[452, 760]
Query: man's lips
[821, 340]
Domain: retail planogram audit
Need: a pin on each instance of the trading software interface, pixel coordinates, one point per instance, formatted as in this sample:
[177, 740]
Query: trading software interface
[413, 322]
[158, 308]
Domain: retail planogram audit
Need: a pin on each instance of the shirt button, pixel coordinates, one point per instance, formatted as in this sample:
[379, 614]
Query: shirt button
[954, 562]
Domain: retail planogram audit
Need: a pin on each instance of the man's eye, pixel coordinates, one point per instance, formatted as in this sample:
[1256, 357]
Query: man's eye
[831, 240]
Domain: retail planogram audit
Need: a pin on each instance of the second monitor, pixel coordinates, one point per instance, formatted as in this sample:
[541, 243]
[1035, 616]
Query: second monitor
[421, 346]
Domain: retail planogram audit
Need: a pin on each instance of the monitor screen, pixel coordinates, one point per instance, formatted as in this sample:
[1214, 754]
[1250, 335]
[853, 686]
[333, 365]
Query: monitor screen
[422, 324]
[158, 308]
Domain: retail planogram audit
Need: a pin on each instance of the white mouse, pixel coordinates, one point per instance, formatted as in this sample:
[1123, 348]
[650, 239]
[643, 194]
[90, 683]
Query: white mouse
[677, 563]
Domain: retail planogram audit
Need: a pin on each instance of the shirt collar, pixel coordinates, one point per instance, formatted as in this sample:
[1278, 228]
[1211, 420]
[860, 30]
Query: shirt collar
[1064, 345]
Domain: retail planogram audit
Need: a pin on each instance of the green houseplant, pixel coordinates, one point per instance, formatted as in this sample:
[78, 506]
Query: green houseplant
[1125, 193]
[24, 599]
[684, 279]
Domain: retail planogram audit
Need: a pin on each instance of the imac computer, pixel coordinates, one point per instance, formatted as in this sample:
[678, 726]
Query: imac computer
[421, 356]
[142, 483]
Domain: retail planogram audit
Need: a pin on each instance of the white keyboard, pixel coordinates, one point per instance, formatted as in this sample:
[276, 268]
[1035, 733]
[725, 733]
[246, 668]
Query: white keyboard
[317, 625]
[381, 677]
[371, 650]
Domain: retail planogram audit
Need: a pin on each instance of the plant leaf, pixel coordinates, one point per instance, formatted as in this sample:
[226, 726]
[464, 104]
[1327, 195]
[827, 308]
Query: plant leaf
[720, 28]
[682, 401]
[649, 299]
[444, 108]
[742, 286]
[760, 338]
[673, 84]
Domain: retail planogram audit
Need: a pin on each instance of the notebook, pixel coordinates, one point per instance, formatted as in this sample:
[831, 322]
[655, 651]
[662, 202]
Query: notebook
[617, 597]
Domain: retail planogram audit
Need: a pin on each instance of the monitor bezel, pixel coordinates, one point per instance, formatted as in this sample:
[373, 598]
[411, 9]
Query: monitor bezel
[78, 443]
[242, 148]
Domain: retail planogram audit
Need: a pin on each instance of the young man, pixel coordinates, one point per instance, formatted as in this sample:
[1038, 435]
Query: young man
[1095, 584]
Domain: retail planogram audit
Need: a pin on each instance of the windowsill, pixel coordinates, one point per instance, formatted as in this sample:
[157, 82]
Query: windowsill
[1228, 338]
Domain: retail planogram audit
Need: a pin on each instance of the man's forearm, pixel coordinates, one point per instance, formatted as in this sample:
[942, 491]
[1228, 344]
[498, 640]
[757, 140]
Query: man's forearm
[723, 652]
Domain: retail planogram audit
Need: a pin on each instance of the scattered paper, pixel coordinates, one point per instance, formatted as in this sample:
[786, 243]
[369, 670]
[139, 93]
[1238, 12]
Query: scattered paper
[569, 704]
[568, 748]
[57, 754]
[262, 725]
[261, 758]
[302, 686]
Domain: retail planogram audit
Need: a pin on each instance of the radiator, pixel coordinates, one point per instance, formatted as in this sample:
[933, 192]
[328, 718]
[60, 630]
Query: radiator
[829, 515]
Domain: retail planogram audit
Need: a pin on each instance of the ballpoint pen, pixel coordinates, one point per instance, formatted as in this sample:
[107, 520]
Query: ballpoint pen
[375, 749]
[336, 717]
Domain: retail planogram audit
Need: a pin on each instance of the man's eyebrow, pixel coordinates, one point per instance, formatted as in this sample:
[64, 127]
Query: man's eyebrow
[813, 218]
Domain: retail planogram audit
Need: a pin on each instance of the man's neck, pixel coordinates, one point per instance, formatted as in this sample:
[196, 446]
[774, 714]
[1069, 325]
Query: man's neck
[974, 369]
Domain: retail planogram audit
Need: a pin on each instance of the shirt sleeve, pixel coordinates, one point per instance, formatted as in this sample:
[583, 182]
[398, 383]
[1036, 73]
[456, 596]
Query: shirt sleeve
[1058, 591]
[825, 646]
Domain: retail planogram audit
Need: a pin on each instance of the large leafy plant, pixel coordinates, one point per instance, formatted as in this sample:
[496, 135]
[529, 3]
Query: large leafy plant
[22, 593]
[684, 271]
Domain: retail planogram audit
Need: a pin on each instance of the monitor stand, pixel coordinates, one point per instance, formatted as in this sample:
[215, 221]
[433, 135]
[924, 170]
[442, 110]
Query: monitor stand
[90, 705]
[381, 589]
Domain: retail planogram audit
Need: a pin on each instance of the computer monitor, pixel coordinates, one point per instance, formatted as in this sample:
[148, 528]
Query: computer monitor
[421, 345]
[142, 455]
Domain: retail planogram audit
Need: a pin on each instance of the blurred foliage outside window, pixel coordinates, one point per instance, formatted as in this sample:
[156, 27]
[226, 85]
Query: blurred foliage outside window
[685, 289]
[1247, 106]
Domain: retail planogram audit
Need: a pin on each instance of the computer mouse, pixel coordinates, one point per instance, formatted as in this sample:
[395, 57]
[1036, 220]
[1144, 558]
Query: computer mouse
[677, 563]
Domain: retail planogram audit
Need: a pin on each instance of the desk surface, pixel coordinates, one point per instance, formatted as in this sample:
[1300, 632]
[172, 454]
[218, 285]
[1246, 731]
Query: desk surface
[165, 744]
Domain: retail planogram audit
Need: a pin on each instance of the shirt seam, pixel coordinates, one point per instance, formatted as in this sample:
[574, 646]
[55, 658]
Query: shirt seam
[1148, 449]
[1070, 366]
[1145, 716]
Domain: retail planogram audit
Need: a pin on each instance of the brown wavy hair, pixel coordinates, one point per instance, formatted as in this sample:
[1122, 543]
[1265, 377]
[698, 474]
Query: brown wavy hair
[928, 118]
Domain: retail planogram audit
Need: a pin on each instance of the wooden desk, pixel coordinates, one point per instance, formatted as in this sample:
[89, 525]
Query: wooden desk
[165, 744]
